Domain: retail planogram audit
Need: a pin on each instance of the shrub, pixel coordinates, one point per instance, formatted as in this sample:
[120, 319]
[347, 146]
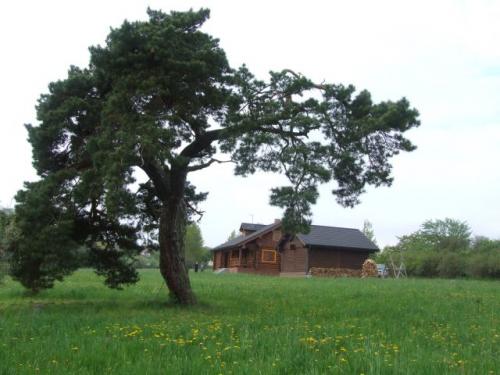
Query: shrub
[6, 226]
[425, 258]
[148, 260]
[481, 243]
[3, 269]
[484, 264]
[422, 263]
[452, 264]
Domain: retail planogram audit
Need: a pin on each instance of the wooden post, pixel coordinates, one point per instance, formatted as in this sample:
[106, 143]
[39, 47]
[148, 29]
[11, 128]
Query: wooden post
[239, 260]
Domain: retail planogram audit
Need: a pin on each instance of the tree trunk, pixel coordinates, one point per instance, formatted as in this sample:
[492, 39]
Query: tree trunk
[171, 238]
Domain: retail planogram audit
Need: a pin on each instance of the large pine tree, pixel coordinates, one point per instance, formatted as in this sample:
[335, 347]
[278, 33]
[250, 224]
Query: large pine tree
[160, 96]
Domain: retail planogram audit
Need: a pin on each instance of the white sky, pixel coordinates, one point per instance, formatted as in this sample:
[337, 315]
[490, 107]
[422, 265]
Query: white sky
[444, 56]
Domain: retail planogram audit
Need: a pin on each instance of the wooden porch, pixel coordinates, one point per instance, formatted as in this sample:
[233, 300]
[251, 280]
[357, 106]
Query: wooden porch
[238, 258]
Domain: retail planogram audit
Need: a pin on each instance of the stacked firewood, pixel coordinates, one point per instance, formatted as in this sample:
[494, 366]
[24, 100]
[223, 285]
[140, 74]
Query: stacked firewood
[369, 269]
[334, 272]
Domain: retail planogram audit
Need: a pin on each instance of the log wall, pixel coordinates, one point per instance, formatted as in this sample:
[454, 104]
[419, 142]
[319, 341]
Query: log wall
[337, 258]
[294, 257]
[266, 242]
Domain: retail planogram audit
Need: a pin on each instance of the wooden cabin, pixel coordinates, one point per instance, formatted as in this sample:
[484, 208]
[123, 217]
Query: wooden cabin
[262, 249]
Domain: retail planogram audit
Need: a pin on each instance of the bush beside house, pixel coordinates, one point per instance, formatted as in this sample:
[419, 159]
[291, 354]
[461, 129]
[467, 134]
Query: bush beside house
[445, 248]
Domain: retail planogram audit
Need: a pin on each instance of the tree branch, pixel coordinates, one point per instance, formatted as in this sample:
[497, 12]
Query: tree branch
[196, 211]
[202, 142]
[207, 164]
[297, 75]
[283, 132]
[160, 179]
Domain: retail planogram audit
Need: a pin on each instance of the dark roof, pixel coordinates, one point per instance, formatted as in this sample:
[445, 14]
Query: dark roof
[251, 226]
[319, 235]
[244, 239]
[337, 237]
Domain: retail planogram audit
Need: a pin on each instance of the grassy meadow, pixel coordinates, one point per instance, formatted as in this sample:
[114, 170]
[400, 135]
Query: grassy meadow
[253, 325]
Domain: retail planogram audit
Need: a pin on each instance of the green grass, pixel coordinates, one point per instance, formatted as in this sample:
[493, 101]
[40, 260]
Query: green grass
[253, 325]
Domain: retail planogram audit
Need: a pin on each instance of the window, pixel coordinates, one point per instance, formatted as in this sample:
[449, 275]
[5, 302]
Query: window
[268, 256]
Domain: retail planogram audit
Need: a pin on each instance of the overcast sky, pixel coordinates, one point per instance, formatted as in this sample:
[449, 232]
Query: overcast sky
[444, 56]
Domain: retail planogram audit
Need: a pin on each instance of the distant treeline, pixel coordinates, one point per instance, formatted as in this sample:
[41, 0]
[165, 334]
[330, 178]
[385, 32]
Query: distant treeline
[440, 248]
[5, 220]
[445, 248]
[195, 250]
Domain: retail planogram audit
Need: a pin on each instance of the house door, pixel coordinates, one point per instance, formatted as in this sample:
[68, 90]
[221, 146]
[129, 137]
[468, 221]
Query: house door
[226, 259]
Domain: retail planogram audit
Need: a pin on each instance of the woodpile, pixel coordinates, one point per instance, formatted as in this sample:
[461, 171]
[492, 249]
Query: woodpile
[334, 272]
[369, 269]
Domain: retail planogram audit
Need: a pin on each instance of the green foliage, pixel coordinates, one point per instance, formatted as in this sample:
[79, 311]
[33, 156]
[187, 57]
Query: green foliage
[148, 260]
[438, 235]
[368, 231]
[44, 244]
[207, 256]
[160, 96]
[193, 242]
[447, 234]
[414, 242]
[452, 264]
[421, 263]
[6, 219]
[447, 264]
[484, 244]
[232, 235]
[485, 264]
[484, 260]
[40, 246]
[443, 248]
[252, 324]
[194, 249]
[6, 215]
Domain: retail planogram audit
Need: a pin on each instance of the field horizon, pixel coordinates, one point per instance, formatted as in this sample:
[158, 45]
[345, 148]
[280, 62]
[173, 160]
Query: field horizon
[247, 324]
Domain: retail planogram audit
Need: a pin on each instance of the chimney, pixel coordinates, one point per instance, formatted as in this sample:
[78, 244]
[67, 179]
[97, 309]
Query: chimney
[276, 221]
